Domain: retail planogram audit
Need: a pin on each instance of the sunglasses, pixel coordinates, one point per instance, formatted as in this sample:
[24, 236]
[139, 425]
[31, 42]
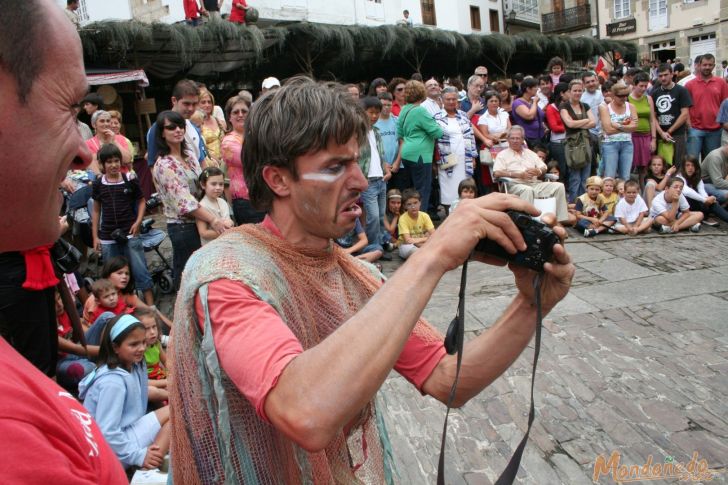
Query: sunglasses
[173, 127]
[483, 75]
[399, 89]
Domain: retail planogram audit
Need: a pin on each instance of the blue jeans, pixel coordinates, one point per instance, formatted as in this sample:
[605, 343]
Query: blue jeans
[721, 195]
[617, 157]
[71, 369]
[134, 252]
[93, 334]
[421, 174]
[577, 181]
[702, 142]
[374, 199]
[185, 241]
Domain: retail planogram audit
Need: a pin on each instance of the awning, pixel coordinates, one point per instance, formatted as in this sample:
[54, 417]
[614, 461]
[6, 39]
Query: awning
[96, 78]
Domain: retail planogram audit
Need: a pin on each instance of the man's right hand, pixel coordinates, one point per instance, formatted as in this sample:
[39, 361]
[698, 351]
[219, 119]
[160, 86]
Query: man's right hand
[474, 220]
[97, 245]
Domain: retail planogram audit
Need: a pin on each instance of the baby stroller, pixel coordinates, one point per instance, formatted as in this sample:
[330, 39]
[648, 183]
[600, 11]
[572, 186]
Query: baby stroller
[152, 239]
[77, 211]
[161, 272]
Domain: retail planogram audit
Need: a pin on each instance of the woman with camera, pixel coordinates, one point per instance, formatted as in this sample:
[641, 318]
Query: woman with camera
[176, 175]
[117, 214]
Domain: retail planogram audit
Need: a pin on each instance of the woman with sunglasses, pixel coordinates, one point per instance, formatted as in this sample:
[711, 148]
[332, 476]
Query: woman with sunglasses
[176, 174]
[619, 121]
[396, 87]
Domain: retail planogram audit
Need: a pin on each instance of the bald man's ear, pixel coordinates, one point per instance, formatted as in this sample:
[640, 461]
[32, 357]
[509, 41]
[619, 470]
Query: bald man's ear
[278, 180]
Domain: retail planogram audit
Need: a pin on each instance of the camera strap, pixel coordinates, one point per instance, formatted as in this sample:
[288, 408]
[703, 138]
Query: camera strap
[454, 340]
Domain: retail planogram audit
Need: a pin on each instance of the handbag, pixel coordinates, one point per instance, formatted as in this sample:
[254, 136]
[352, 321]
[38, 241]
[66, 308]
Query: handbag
[577, 146]
[65, 256]
[486, 158]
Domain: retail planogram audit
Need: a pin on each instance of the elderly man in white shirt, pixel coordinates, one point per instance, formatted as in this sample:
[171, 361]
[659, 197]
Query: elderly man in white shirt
[522, 165]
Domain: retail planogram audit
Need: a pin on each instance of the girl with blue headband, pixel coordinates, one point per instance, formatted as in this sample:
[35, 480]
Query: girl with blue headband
[116, 396]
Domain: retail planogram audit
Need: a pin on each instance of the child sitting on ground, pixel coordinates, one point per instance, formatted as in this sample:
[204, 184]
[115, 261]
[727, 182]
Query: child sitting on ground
[391, 218]
[466, 190]
[73, 358]
[154, 355]
[671, 211]
[115, 394]
[107, 300]
[591, 209]
[553, 174]
[415, 226]
[631, 212]
[356, 243]
[656, 178]
[620, 189]
[610, 195]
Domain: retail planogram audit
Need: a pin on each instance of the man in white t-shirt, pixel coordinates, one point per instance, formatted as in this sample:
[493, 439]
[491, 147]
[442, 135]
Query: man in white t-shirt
[671, 210]
[433, 103]
[631, 212]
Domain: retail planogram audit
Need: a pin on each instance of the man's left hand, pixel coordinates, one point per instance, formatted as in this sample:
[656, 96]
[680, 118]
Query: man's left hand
[556, 280]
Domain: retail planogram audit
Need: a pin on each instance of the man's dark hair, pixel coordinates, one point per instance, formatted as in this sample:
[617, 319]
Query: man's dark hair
[566, 78]
[707, 57]
[385, 95]
[173, 118]
[664, 67]
[633, 71]
[545, 79]
[371, 102]
[679, 67]
[22, 51]
[108, 151]
[185, 87]
[587, 74]
[324, 112]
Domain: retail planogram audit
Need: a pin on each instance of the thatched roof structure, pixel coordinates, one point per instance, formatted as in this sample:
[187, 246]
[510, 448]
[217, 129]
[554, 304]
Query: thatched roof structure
[222, 50]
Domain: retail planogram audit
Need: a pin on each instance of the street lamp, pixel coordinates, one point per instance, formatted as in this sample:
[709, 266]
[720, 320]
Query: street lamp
[509, 19]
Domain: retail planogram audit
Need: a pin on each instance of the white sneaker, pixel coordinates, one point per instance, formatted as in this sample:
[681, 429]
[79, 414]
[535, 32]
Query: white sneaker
[665, 230]
[695, 228]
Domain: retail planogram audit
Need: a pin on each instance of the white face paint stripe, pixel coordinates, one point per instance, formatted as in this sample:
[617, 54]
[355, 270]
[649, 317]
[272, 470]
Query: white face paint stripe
[322, 177]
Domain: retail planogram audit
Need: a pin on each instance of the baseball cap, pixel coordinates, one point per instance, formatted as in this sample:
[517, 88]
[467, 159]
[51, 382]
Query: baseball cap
[271, 82]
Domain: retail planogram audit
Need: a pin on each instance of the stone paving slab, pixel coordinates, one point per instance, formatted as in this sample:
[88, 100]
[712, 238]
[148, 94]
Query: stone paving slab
[651, 289]
[616, 269]
[638, 366]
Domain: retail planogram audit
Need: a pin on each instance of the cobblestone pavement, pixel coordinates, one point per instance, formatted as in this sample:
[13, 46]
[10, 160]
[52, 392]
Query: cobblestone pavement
[634, 360]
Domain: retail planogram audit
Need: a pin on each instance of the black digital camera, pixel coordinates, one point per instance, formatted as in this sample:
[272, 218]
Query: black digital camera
[540, 240]
[119, 236]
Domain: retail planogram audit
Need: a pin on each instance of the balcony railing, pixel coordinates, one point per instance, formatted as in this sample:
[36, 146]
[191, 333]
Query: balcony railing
[568, 19]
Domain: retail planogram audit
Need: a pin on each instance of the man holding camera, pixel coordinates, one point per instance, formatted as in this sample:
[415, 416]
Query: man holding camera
[295, 338]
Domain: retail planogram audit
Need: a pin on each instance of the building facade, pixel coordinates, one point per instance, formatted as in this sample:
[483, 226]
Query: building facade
[576, 18]
[465, 17]
[521, 16]
[668, 29]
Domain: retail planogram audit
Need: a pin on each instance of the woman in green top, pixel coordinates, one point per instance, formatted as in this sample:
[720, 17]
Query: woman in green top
[643, 138]
[417, 131]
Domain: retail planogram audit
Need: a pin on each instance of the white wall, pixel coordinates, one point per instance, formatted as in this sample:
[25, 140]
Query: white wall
[450, 14]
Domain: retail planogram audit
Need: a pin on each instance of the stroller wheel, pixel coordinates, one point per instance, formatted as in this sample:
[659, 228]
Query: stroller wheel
[87, 282]
[166, 283]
